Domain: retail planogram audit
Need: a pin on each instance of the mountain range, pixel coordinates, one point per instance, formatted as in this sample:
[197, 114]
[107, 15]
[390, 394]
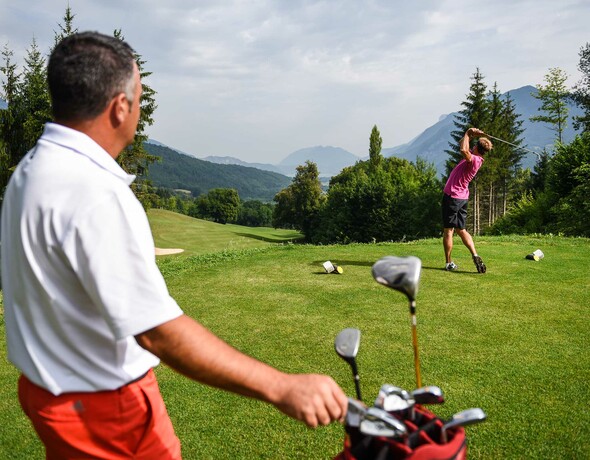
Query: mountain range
[179, 170]
[430, 145]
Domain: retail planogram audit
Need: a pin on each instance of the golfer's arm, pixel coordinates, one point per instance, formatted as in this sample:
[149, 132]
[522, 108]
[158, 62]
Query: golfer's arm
[464, 147]
[191, 349]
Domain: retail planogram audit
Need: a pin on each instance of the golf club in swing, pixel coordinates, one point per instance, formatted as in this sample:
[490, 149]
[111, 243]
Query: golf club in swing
[513, 145]
[346, 345]
[403, 275]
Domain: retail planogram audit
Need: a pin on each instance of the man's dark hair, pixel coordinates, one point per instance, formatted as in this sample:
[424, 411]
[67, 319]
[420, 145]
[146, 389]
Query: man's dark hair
[85, 71]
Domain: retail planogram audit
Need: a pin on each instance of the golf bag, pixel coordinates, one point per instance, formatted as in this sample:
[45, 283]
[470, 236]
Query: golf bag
[424, 442]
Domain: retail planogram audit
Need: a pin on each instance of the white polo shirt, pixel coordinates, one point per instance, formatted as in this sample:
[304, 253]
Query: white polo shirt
[79, 272]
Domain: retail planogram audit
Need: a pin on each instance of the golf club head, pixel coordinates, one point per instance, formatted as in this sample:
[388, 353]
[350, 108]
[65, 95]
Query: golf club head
[428, 395]
[393, 399]
[399, 273]
[347, 343]
[355, 413]
[463, 418]
[377, 422]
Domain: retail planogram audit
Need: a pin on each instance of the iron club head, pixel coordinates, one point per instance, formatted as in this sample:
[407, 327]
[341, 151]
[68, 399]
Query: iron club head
[377, 422]
[346, 345]
[393, 399]
[463, 418]
[355, 413]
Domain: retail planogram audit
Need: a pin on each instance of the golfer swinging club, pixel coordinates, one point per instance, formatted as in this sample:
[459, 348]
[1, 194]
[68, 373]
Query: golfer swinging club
[88, 314]
[456, 197]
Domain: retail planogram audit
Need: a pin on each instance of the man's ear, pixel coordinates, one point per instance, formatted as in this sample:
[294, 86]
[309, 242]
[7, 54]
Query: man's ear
[119, 109]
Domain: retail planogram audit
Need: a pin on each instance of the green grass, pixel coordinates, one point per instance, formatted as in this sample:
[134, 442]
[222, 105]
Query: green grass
[514, 342]
[195, 236]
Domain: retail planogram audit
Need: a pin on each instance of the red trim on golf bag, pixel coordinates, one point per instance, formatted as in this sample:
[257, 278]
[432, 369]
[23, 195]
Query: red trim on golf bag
[424, 442]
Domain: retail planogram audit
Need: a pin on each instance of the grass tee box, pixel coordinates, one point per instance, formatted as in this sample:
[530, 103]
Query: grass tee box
[513, 342]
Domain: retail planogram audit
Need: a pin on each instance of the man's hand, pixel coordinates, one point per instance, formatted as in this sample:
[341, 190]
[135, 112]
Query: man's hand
[312, 399]
[191, 349]
[475, 132]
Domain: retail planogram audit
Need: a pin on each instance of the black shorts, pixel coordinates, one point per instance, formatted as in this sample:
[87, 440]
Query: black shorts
[454, 212]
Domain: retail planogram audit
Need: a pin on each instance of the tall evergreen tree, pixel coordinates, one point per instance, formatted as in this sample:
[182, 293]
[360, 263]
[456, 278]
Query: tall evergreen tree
[375, 143]
[67, 28]
[581, 91]
[503, 161]
[35, 94]
[553, 97]
[11, 142]
[473, 114]
[29, 108]
[135, 159]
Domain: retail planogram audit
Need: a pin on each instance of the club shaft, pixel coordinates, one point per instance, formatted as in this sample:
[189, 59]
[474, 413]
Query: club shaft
[415, 343]
[357, 387]
[513, 145]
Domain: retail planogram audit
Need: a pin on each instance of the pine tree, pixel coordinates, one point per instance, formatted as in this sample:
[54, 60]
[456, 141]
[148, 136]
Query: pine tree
[553, 97]
[11, 143]
[135, 159]
[35, 94]
[581, 91]
[67, 28]
[375, 143]
[29, 108]
[503, 161]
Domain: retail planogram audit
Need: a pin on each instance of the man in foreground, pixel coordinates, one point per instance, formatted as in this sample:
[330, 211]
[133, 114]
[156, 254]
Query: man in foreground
[87, 312]
[456, 197]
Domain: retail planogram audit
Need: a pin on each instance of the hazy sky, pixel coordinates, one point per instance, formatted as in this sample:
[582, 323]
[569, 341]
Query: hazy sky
[260, 79]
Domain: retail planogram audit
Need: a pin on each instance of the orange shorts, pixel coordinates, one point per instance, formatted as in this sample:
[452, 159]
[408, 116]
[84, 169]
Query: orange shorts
[130, 422]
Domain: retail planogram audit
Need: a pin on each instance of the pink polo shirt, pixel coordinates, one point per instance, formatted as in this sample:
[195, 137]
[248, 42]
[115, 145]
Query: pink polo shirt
[457, 185]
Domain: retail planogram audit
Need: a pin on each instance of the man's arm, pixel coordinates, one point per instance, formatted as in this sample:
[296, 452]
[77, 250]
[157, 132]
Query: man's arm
[464, 144]
[191, 349]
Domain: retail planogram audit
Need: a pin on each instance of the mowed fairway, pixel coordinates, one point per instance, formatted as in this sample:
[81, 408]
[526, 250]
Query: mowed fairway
[195, 236]
[514, 341]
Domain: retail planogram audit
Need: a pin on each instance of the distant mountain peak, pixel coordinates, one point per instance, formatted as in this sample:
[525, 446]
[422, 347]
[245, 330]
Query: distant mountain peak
[330, 160]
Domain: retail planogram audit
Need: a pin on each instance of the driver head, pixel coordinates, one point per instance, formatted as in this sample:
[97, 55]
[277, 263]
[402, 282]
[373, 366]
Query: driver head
[399, 273]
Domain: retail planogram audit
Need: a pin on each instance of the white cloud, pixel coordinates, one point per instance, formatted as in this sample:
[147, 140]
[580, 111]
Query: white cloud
[258, 79]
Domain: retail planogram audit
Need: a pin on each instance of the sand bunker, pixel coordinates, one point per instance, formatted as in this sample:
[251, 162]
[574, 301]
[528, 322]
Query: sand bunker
[165, 252]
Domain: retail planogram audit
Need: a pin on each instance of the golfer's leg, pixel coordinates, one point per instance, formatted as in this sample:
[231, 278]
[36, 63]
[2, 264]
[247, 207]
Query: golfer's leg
[467, 240]
[448, 243]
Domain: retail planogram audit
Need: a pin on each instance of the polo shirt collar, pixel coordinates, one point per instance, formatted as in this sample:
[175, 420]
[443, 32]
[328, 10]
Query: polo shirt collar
[84, 145]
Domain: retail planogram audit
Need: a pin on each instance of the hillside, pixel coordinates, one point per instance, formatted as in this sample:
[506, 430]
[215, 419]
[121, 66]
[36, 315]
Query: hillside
[235, 161]
[179, 171]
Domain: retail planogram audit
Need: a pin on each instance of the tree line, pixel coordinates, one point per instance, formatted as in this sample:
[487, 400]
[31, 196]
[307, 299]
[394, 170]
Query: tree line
[390, 199]
[220, 205]
[29, 107]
